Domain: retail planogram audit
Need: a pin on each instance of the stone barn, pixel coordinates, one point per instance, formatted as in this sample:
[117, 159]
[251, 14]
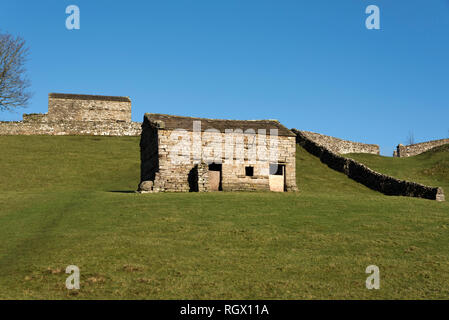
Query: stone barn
[182, 154]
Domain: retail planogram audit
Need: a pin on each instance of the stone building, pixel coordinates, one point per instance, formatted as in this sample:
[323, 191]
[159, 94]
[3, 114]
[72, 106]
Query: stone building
[76, 114]
[83, 107]
[182, 154]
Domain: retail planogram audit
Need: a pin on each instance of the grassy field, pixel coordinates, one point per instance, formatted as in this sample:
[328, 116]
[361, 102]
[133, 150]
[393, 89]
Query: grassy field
[69, 200]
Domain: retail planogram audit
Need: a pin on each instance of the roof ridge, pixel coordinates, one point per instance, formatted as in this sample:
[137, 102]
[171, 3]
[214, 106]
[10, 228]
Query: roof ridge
[214, 119]
[175, 121]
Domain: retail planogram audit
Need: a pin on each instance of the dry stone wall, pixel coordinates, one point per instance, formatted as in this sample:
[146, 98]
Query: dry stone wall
[418, 148]
[35, 117]
[97, 128]
[364, 175]
[341, 146]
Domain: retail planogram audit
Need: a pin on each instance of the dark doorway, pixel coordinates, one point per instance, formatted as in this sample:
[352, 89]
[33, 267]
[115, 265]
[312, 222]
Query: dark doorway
[193, 179]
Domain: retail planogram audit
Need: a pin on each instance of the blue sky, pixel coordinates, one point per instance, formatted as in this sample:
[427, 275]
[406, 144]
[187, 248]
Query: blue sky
[312, 65]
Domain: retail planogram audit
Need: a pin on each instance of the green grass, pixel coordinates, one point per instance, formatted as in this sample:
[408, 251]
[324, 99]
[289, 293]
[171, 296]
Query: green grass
[67, 200]
[429, 168]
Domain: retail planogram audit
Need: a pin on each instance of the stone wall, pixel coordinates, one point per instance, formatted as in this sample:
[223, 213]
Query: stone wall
[70, 114]
[418, 148]
[364, 175]
[341, 146]
[99, 128]
[160, 172]
[35, 117]
[74, 107]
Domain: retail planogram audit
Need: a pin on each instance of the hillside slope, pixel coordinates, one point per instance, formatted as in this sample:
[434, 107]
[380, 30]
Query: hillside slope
[430, 168]
[69, 200]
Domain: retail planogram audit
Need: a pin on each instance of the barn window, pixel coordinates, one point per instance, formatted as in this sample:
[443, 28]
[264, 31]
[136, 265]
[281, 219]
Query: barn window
[249, 171]
[276, 169]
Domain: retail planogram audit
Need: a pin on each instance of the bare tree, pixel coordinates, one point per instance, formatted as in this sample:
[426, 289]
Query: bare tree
[410, 138]
[13, 80]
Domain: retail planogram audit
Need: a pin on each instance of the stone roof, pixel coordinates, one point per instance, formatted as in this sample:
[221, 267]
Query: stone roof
[88, 97]
[170, 122]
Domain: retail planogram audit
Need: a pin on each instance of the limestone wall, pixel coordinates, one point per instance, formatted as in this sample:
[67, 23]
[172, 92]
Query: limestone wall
[72, 114]
[364, 175]
[99, 128]
[73, 107]
[177, 177]
[341, 146]
[418, 148]
[35, 117]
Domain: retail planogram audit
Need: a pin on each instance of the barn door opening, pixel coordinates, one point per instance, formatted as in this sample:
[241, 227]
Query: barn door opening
[277, 177]
[215, 177]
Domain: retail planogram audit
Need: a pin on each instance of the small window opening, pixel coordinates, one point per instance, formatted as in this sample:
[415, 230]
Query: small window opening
[215, 166]
[276, 169]
[249, 171]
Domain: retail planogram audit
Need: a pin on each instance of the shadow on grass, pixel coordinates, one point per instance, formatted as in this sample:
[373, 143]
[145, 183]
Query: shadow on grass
[123, 191]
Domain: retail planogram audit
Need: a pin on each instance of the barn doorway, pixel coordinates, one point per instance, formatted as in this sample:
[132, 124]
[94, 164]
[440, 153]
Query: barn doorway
[215, 177]
[277, 177]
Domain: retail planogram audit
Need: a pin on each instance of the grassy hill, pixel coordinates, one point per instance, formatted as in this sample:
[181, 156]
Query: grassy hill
[69, 200]
[429, 168]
